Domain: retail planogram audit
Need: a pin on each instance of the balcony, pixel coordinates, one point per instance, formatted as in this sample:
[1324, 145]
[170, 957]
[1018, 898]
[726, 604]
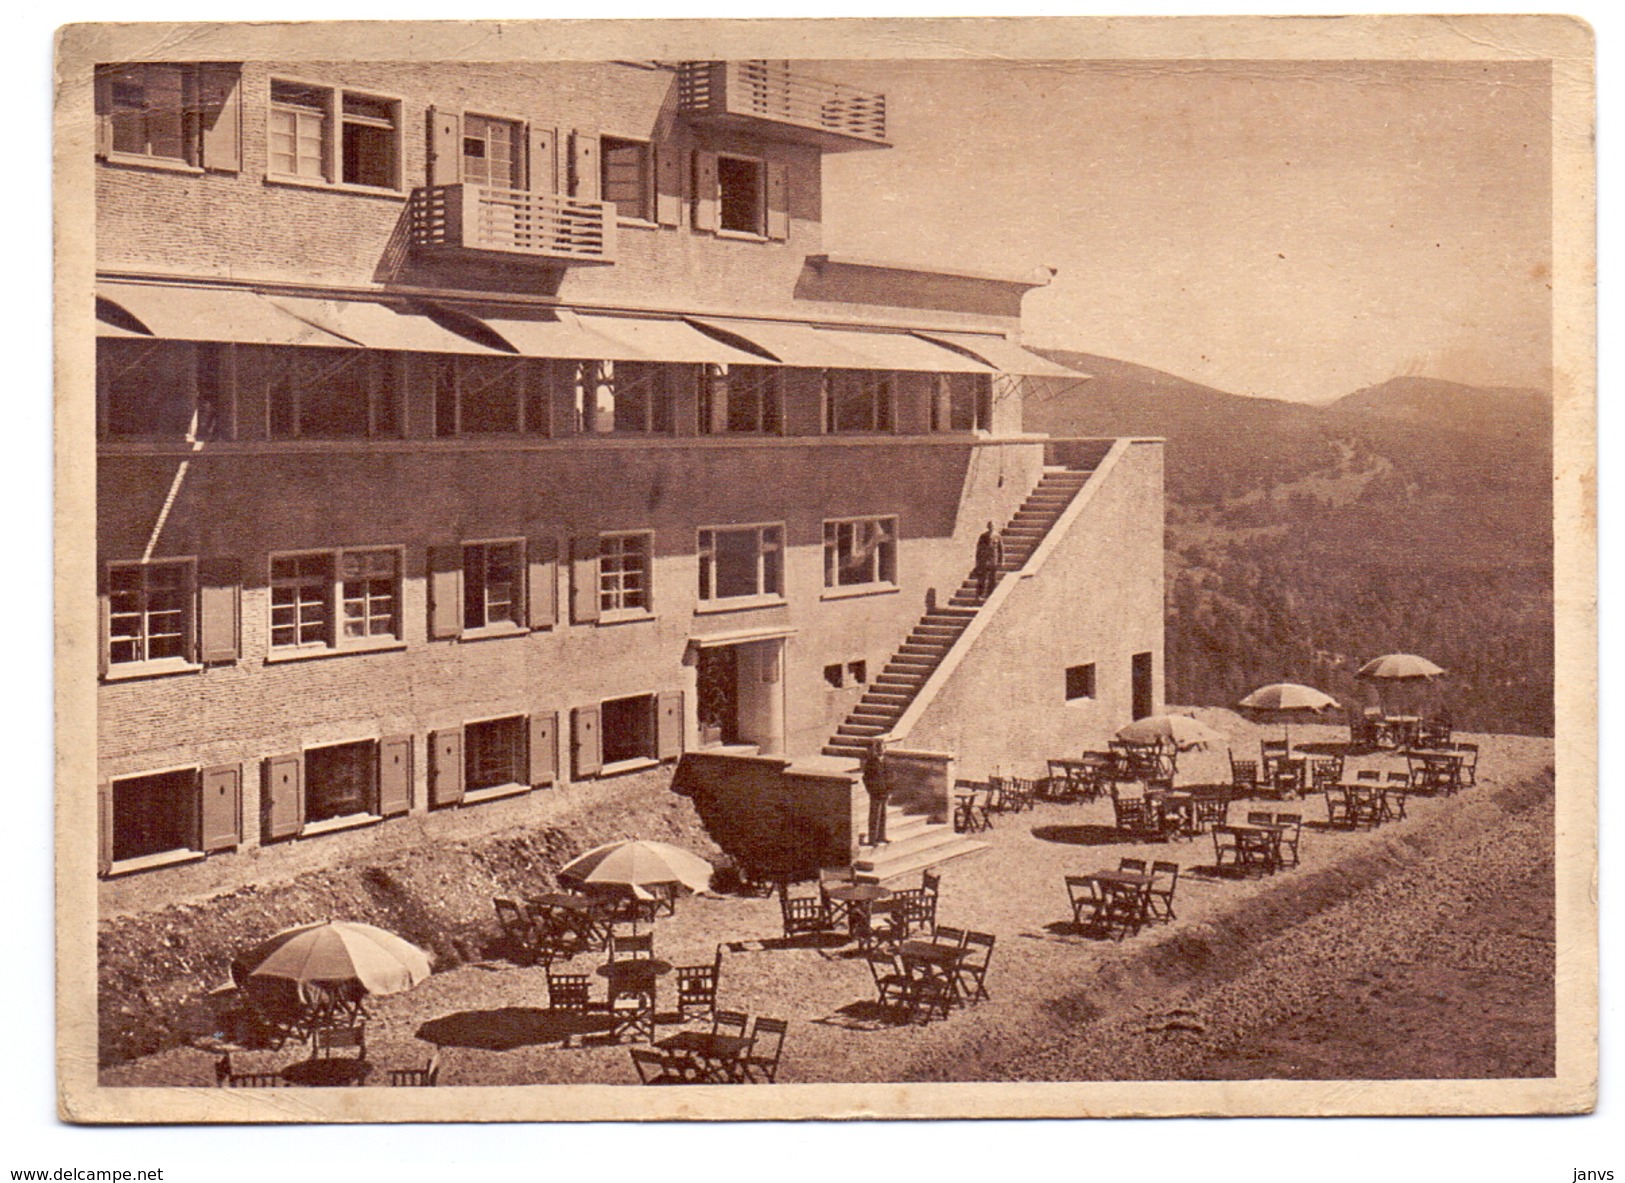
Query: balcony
[513, 222]
[772, 99]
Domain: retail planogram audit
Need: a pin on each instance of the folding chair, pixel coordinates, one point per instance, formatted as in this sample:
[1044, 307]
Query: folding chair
[972, 969]
[697, 986]
[426, 1077]
[517, 929]
[729, 1022]
[1164, 878]
[638, 947]
[1287, 839]
[655, 1067]
[1393, 798]
[760, 1066]
[569, 992]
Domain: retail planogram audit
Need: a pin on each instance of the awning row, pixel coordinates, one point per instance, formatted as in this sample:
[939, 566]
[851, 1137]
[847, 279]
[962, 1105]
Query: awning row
[162, 311]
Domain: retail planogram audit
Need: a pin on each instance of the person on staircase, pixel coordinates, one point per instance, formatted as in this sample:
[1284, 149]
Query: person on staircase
[875, 784]
[989, 557]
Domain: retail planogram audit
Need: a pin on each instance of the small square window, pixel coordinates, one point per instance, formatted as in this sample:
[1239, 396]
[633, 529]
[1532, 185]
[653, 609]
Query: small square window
[860, 551]
[624, 573]
[155, 814]
[341, 781]
[1080, 682]
[495, 754]
[858, 672]
[833, 674]
[150, 612]
[493, 584]
[743, 561]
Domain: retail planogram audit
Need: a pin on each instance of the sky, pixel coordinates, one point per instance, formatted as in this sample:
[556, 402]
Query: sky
[1293, 230]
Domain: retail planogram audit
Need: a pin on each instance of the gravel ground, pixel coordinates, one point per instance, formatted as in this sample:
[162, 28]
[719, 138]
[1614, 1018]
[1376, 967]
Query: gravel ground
[1419, 949]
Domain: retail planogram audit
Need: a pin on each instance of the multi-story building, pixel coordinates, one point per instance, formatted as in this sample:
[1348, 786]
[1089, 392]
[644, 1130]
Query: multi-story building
[465, 431]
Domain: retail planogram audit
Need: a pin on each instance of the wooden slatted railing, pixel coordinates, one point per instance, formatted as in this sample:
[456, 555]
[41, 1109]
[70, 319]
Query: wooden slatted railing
[514, 221]
[774, 91]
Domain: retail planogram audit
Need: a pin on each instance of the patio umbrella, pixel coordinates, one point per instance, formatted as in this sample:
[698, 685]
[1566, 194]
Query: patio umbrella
[636, 865]
[1180, 732]
[337, 953]
[1288, 698]
[1395, 670]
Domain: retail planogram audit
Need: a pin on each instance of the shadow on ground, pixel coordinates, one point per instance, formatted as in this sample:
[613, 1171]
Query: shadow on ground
[510, 1027]
[1081, 835]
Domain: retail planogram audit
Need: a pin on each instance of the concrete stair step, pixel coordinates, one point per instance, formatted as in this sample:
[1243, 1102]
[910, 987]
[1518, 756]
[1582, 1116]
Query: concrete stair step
[927, 648]
[859, 730]
[910, 682]
[883, 867]
[855, 751]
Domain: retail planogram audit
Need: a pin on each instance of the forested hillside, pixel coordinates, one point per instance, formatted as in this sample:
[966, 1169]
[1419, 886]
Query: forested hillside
[1414, 516]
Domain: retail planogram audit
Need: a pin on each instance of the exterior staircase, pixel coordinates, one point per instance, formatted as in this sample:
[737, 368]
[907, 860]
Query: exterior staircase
[912, 844]
[890, 694]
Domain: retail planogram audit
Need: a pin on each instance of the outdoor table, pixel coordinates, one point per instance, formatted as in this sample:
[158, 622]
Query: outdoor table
[584, 914]
[968, 818]
[934, 960]
[1079, 777]
[1441, 767]
[858, 898]
[1139, 880]
[329, 1072]
[1180, 809]
[1368, 800]
[718, 1057]
[1402, 729]
[1259, 845]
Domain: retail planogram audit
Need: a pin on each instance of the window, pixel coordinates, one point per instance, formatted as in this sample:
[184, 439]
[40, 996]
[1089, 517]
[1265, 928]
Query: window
[624, 573]
[318, 133]
[626, 396]
[149, 611]
[491, 395]
[741, 195]
[741, 561]
[366, 584]
[963, 403]
[1080, 682]
[858, 672]
[317, 393]
[834, 675]
[629, 729]
[494, 754]
[152, 109]
[493, 153]
[626, 178]
[157, 389]
[860, 551]
[493, 593]
[341, 781]
[857, 400]
[155, 814]
[742, 399]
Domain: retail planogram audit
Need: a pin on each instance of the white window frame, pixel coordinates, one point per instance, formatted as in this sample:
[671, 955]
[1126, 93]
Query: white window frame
[191, 130]
[888, 539]
[187, 658]
[758, 231]
[645, 216]
[333, 118]
[769, 541]
[518, 166]
[486, 627]
[334, 601]
[615, 602]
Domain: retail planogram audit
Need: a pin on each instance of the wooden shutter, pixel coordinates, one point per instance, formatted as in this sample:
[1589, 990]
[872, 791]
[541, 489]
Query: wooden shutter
[222, 809]
[586, 742]
[705, 190]
[542, 585]
[445, 766]
[668, 183]
[219, 613]
[104, 827]
[669, 725]
[394, 775]
[445, 591]
[445, 147]
[544, 747]
[544, 159]
[585, 181]
[778, 200]
[584, 580]
[220, 87]
[282, 797]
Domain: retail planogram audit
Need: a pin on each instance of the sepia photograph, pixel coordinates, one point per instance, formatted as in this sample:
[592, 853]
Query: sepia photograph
[959, 568]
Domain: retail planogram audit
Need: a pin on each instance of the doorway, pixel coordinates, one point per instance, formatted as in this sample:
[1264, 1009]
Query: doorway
[717, 695]
[1142, 685]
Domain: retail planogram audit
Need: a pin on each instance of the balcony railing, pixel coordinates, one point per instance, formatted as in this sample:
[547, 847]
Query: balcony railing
[774, 93]
[514, 221]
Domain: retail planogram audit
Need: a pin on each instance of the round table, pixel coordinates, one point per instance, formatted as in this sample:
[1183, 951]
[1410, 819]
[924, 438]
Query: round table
[859, 898]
